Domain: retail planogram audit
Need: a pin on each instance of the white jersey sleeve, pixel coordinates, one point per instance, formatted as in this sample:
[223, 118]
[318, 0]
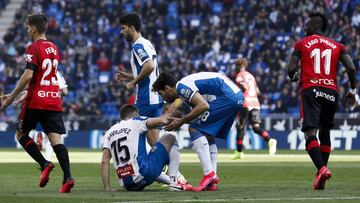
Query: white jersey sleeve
[61, 80]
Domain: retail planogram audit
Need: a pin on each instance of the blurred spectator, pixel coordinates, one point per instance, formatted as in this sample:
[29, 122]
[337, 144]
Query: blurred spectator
[189, 36]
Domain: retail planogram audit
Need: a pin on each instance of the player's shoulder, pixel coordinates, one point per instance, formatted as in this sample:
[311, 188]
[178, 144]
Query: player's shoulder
[139, 118]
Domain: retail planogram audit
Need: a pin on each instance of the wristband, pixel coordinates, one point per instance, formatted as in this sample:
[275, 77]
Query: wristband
[352, 91]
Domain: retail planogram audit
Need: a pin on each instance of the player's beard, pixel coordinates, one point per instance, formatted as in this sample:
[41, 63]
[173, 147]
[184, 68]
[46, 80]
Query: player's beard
[128, 38]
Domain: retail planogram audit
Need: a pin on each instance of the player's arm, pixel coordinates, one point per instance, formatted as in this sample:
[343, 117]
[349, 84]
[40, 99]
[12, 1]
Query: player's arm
[146, 70]
[200, 106]
[292, 67]
[351, 71]
[105, 169]
[23, 82]
[243, 86]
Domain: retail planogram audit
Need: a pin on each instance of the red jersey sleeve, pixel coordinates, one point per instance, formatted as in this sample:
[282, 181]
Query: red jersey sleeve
[297, 48]
[31, 58]
[343, 49]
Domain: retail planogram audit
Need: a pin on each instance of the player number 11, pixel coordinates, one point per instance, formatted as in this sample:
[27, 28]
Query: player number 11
[327, 54]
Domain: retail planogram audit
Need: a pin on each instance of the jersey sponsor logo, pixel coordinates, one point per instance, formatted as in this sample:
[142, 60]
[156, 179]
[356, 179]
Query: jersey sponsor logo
[28, 58]
[323, 81]
[49, 94]
[125, 171]
[142, 54]
[324, 95]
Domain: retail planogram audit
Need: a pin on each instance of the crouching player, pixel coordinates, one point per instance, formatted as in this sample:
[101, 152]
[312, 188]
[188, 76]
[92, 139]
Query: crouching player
[135, 168]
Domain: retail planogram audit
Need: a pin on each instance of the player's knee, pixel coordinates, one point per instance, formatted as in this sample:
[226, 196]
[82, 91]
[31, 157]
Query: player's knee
[168, 140]
[19, 135]
[310, 132]
[194, 134]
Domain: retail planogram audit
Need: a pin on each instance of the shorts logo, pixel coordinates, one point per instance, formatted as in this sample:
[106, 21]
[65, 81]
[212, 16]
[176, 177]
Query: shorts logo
[142, 54]
[324, 95]
[28, 57]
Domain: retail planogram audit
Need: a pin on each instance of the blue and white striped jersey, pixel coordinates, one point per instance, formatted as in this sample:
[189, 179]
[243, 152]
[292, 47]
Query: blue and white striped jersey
[210, 85]
[127, 142]
[143, 51]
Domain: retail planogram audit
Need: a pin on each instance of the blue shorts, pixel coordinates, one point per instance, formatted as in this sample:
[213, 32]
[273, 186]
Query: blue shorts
[220, 117]
[150, 110]
[151, 167]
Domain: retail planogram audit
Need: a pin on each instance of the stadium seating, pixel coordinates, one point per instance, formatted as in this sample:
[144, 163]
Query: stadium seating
[189, 36]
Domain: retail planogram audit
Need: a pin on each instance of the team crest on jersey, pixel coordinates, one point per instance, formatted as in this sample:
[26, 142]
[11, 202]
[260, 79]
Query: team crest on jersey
[186, 93]
[142, 54]
[28, 57]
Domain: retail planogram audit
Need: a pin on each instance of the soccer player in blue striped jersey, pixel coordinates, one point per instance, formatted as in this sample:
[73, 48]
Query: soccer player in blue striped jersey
[215, 102]
[144, 70]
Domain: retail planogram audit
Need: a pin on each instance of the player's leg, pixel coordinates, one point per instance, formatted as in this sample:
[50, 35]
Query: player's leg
[54, 127]
[240, 126]
[154, 110]
[213, 152]
[254, 117]
[329, 107]
[310, 112]
[27, 121]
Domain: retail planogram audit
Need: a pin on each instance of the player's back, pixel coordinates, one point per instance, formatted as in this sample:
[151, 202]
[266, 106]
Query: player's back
[319, 61]
[43, 90]
[143, 51]
[127, 143]
[251, 94]
[209, 84]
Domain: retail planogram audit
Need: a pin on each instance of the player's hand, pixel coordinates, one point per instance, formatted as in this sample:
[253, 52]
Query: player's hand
[122, 77]
[7, 100]
[110, 190]
[175, 123]
[130, 85]
[295, 78]
[349, 100]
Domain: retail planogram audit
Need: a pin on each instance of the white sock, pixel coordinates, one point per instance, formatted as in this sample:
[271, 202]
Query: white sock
[201, 146]
[174, 162]
[213, 156]
[163, 178]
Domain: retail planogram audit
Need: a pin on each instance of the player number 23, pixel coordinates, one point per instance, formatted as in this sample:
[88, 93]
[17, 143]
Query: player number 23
[327, 54]
[48, 65]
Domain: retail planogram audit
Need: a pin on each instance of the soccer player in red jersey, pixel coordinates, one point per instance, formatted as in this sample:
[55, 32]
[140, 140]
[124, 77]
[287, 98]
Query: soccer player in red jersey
[251, 110]
[43, 101]
[319, 56]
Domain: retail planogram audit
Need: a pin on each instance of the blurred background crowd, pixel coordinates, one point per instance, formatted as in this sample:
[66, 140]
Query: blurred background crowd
[189, 36]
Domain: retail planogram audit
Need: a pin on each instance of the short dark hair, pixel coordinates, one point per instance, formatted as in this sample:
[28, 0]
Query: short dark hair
[324, 21]
[127, 110]
[39, 21]
[163, 80]
[131, 19]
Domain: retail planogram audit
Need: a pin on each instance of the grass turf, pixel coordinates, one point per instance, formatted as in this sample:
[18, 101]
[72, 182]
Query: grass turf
[240, 181]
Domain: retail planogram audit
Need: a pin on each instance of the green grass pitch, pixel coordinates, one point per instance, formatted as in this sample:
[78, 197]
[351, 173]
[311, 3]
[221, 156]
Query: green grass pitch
[257, 178]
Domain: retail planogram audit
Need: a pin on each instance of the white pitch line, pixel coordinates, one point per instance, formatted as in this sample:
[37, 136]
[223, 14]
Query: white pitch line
[249, 199]
[95, 157]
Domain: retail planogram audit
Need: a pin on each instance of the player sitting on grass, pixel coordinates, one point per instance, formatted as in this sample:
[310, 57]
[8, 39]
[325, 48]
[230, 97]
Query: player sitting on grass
[135, 168]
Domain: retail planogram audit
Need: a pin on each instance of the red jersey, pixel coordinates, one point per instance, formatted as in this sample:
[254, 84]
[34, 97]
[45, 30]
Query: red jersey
[42, 57]
[251, 94]
[319, 60]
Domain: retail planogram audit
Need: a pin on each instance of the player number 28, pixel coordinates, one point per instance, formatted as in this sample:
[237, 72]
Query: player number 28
[204, 116]
[48, 65]
[327, 54]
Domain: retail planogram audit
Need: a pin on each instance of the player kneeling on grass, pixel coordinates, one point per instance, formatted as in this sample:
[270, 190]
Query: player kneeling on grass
[135, 168]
